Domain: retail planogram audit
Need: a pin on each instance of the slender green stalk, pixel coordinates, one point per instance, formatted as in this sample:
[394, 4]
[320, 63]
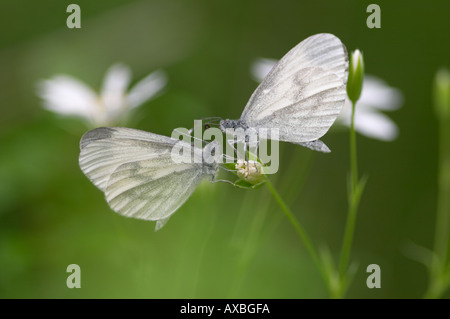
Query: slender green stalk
[353, 157]
[440, 264]
[440, 272]
[348, 238]
[355, 192]
[299, 229]
[441, 243]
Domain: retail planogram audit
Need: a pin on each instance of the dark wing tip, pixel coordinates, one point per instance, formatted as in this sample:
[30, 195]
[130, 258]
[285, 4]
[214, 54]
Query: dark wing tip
[99, 133]
[316, 145]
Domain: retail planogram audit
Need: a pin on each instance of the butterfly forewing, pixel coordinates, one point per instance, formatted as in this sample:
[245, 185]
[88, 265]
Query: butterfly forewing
[305, 91]
[106, 148]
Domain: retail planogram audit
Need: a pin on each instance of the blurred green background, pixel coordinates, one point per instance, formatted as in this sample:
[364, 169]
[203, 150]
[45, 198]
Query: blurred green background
[224, 242]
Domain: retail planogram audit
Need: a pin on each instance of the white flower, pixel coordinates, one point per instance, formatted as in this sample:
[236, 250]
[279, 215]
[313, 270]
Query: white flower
[261, 67]
[376, 96]
[67, 95]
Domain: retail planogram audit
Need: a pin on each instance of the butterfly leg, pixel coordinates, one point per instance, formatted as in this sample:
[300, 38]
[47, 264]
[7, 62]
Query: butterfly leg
[234, 184]
[232, 142]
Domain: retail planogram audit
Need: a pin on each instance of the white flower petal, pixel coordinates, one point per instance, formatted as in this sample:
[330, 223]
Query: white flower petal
[377, 94]
[67, 95]
[375, 125]
[114, 87]
[146, 88]
[345, 116]
[368, 122]
[261, 67]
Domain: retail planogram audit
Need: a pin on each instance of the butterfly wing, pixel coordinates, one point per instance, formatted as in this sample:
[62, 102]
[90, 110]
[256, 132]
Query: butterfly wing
[104, 149]
[136, 171]
[152, 189]
[305, 91]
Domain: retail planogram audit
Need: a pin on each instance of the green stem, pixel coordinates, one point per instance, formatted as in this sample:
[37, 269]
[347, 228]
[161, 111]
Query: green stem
[353, 157]
[437, 286]
[353, 202]
[441, 243]
[348, 238]
[439, 272]
[299, 229]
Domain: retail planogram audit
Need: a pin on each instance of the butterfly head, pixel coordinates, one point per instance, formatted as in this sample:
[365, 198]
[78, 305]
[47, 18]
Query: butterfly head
[234, 124]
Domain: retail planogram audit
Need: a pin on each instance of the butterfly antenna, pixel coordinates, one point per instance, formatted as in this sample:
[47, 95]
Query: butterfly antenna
[226, 156]
[190, 136]
[228, 182]
[211, 118]
[213, 124]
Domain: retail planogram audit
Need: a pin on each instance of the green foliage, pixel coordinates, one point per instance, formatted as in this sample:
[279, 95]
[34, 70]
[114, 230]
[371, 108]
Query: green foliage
[52, 216]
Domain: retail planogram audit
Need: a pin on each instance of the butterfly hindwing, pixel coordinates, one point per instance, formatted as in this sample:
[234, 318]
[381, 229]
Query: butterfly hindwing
[152, 189]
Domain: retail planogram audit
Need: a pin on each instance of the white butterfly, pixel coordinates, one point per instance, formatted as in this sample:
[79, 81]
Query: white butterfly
[302, 95]
[137, 173]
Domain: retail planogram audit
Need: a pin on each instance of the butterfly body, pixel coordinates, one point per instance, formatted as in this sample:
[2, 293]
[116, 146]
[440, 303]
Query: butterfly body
[233, 124]
[138, 174]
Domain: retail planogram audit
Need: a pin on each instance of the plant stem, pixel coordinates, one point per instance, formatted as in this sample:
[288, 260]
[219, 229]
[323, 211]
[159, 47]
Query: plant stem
[439, 272]
[299, 229]
[353, 202]
[441, 243]
[353, 157]
[348, 238]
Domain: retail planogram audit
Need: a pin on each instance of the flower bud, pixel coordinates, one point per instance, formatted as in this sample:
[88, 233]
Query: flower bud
[355, 76]
[442, 93]
[250, 171]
